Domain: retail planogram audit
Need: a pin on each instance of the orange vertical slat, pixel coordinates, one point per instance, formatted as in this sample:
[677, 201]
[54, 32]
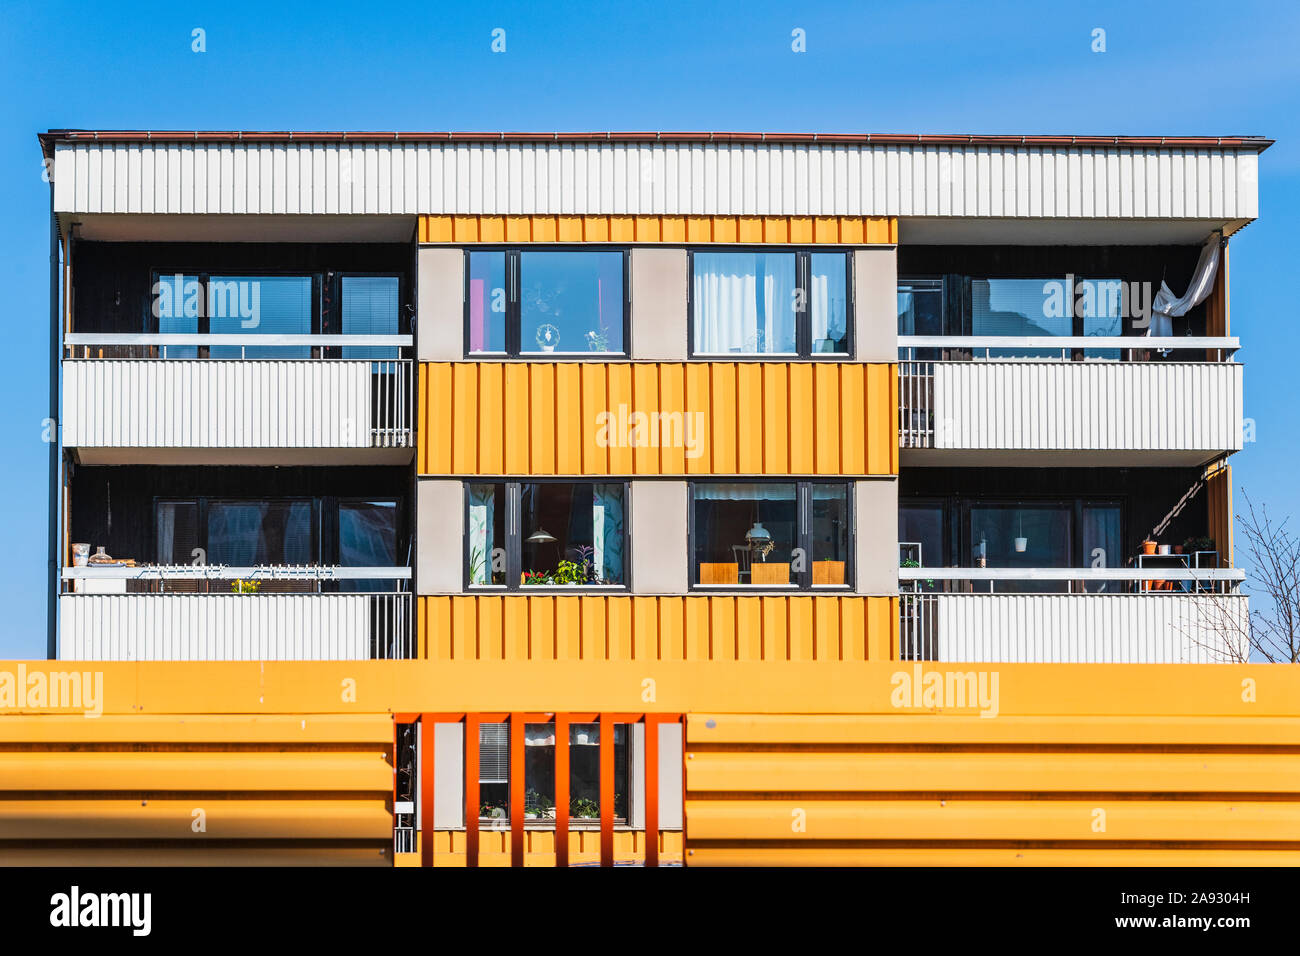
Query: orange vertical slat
[464, 424]
[568, 628]
[516, 789]
[672, 400]
[670, 628]
[568, 419]
[826, 418]
[651, 790]
[645, 399]
[776, 425]
[699, 398]
[595, 455]
[436, 423]
[606, 790]
[749, 629]
[517, 419]
[561, 789]
[723, 388]
[749, 411]
[618, 613]
[541, 406]
[853, 426]
[471, 790]
[491, 431]
[801, 419]
[620, 404]
[427, 738]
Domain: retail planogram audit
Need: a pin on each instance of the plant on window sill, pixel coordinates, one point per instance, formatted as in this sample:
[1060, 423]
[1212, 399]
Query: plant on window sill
[245, 587]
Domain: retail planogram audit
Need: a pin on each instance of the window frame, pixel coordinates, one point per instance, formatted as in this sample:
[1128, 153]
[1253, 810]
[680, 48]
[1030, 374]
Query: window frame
[514, 538]
[803, 322]
[802, 581]
[514, 312]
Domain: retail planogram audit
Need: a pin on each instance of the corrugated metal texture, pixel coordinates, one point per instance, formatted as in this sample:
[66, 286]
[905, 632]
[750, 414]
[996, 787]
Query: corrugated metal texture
[214, 627]
[539, 848]
[179, 403]
[596, 628]
[898, 790]
[139, 790]
[1138, 406]
[520, 178]
[1092, 628]
[802, 230]
[771, 418]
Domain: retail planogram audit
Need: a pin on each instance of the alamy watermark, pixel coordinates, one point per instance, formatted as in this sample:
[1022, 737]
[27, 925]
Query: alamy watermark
[945, 690]
[628, 429]
[179, 296]
[52, 690]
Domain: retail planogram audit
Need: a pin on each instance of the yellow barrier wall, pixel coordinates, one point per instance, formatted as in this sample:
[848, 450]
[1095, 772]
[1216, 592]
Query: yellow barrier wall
[793, 230]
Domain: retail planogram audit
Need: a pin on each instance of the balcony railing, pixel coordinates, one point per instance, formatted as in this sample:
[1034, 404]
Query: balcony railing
[140, 390]
[215, 612]
[955, 392]
[985, 614]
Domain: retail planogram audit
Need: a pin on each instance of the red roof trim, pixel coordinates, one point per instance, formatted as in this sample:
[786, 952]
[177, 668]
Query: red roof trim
[951, 139]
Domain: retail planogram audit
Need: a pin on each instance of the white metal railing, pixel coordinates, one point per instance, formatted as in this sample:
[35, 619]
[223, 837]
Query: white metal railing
[916, 404]
[1169, 628]
[216, 612]
[1066, 345]
[1076, 580]
[110, 345]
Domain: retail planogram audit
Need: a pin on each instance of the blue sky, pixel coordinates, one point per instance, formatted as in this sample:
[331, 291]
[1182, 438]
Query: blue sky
[1169, 68]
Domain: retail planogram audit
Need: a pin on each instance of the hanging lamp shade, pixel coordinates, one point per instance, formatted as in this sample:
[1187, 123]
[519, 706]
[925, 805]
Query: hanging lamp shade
[540, 536]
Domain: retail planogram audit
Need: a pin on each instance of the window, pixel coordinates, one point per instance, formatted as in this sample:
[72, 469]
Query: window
[545, 533]
[260, 305]
[546, 302]
[369, 305]
[344, 532]
[770, 303]
[920, 312]
[539, 773]
[771, 534]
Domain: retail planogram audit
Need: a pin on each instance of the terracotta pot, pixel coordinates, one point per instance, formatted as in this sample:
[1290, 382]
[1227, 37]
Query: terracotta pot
[1178, 549]
[1148, 547]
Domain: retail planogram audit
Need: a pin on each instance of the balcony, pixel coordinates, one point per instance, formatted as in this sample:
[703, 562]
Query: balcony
[213, 612]
[1073, 615]
[238, 398]
[1004, 400]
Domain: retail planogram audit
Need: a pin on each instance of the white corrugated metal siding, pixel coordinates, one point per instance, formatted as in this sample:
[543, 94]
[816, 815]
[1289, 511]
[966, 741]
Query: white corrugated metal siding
[1091, 628]
[1139, 406]
[214, 627]
[658, 178]
[114, 403]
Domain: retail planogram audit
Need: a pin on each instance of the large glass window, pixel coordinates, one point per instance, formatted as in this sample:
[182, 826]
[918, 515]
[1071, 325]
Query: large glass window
[771, 534]
[1102, 544]
[245, 533]
[770, 303]
[178, 304]
[546, 302]
[260, 305]
[368, 536]
[551, 533]
[369, 305]
[177, 530]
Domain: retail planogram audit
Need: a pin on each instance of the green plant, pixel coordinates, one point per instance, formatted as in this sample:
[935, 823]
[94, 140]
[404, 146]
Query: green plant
[536, 802]
[491, 811]
[538, 577]
[476, 565]
[569, 572]
[245, 587]
[1202, 543]
[584, 808]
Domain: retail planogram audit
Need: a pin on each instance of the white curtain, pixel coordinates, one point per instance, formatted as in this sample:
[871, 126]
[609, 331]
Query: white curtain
[729, 491]
[1167, 306]
[482, 519]
[731, 317]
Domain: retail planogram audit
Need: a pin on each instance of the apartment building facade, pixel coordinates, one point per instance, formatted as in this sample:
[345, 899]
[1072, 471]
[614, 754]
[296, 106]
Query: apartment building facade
[577, 422]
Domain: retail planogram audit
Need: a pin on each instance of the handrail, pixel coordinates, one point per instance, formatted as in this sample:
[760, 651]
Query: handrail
[1225, 343]
[1071, 574]
[230, 338]
[221, 572]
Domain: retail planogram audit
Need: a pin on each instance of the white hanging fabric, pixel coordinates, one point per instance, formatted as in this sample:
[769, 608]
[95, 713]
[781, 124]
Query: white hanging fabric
[1168, 306]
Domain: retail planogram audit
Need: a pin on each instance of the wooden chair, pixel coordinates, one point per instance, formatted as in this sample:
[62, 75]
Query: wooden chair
[719, 573]
[828, 572]
[761, 572]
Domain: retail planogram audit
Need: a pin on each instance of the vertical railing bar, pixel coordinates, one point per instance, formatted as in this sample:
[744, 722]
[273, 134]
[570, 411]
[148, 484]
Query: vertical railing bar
[428, 745]
[561, 789]
[471, 789]
[606, 760]
[517, 784]
[651, 790]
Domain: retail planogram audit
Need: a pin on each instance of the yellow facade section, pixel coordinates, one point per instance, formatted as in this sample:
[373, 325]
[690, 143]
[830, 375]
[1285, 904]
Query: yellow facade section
[936, 790]
[629, 419]
[539, 847]
[595, 628]
[679, 230]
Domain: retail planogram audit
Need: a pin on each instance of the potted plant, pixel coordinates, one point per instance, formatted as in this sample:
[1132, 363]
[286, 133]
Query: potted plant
[245, 587]
[584, 809]
[1148, 546]
[537, 577]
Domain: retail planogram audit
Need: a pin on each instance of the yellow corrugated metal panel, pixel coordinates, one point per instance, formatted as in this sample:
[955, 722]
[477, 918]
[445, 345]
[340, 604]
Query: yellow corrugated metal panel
[806, 855]
[539, 847]
[821, 772]
[170, 789]
[936, 789]
[719, 418]
[593, 627]
[179, 770]
[165, 819]
[838, 230]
